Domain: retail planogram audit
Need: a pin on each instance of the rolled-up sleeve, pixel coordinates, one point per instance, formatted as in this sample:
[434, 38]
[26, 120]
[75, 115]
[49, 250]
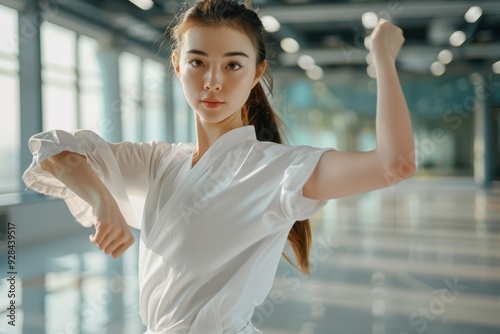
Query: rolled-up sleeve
[295, 205]
[125, 168]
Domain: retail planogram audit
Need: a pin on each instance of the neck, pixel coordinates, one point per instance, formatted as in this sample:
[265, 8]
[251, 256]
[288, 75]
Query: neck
[208, 133]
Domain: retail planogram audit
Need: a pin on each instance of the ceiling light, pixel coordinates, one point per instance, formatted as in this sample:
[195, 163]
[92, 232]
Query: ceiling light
[270, 23]
[143, 4]
[306, 62]
[457, 38]
[369, 58]
[437, 68]
[369, 20]
[289, 45]
[371, 71]
[473, 14]
[445, 56]
[368, 42]
[315, 73]
[496, 67]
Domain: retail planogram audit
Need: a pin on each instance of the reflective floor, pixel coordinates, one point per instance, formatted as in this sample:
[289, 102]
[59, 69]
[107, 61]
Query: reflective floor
[421, 257]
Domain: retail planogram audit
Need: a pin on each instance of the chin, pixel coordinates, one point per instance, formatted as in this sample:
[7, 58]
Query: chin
[211, 119]
[216, 117]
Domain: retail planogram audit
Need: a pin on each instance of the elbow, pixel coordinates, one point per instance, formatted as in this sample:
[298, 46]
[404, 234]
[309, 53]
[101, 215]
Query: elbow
[400, 168]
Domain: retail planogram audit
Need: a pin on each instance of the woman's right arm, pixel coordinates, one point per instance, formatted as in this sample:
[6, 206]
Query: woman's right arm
[126, 169]
[112, 234]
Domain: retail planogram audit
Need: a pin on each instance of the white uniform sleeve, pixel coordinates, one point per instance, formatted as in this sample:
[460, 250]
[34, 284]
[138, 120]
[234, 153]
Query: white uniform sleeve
[294, 204]
[125, 168]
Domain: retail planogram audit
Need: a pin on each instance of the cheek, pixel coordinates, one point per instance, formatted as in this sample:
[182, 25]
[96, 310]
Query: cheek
[186, 74]
[190, 80]
[241, 81]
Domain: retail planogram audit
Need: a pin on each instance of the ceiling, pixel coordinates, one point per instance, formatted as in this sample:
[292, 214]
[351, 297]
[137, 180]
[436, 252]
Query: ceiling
[331, 32]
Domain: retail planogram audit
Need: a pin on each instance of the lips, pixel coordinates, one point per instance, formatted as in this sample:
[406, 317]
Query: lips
[212, 103]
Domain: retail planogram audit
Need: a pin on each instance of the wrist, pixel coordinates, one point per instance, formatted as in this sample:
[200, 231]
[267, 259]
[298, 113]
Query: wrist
[383, 60]
[101, 198]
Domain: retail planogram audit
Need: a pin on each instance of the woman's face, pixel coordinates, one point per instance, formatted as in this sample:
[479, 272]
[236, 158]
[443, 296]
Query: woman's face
[217, 68]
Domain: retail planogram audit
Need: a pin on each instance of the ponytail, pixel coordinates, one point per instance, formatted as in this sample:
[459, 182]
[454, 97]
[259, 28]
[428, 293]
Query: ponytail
[258, 112]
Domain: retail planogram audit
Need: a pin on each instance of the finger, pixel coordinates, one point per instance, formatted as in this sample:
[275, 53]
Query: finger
[101, 231]
[111, 237]
[116, 240]
[107, 233]
[120, 246]
[111, 247]
[120, 249]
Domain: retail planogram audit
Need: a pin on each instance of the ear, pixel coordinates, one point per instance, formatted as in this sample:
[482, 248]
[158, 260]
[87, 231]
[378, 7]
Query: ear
[175, 64]
[260, 71]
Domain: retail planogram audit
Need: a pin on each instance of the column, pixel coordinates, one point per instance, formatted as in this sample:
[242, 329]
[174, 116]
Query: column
[483, 139]
[30, 79]
[169, 106]
[111, 125]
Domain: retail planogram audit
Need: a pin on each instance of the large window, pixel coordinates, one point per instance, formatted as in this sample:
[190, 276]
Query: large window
[71, 80]
[90, 85]
[142, 85]
[130, 91]
[183, 115]
[154, 100]
[9, 88]
[58, 77]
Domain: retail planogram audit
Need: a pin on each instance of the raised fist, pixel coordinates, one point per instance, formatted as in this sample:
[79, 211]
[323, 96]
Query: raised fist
[387, 40]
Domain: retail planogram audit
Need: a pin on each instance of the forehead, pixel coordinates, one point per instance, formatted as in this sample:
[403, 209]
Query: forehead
[217, 41]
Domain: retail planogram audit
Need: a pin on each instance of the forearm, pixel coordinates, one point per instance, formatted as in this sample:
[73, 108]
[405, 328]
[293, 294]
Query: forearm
[73, 170]
[393, 124]
[112, 234]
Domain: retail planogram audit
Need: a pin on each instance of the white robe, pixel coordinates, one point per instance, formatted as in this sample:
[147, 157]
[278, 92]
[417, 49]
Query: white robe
[211, 235]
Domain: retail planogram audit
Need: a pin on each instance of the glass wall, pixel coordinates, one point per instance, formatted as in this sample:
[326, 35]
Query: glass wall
[154, 100]
[9, 109]
[71, 80]
[130, 95]
[59, 93]
[341, 114]
[183, 115]
[90, 86]
[142, 86]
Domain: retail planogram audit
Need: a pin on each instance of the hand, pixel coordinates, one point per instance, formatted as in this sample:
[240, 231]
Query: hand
[387, 40]
[112, 234]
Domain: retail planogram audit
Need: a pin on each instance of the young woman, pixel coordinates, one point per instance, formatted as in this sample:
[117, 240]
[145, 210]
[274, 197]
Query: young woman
[218, 213]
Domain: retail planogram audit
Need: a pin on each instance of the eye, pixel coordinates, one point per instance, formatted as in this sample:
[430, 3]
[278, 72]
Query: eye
[196, 63]
[234, 66]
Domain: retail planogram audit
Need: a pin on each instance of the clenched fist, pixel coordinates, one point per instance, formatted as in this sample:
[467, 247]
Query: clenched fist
[112, 234]
[387, 40]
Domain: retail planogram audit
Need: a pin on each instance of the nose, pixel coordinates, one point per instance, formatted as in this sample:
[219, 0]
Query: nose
[213, 81]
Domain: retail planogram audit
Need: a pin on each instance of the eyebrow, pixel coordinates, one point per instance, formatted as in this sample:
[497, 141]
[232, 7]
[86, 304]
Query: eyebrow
[228, 54]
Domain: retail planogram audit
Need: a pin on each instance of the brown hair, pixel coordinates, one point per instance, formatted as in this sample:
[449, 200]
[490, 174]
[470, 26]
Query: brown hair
[257, 110]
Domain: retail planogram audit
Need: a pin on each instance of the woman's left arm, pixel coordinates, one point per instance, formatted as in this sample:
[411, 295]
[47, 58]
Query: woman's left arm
[340, 174]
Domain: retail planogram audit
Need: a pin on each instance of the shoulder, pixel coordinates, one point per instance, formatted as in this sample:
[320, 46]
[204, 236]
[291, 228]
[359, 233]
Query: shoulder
[182, 149]
[283, 155]
[278, 151]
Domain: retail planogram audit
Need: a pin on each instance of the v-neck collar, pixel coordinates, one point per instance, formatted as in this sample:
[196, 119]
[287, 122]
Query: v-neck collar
[223, 143]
